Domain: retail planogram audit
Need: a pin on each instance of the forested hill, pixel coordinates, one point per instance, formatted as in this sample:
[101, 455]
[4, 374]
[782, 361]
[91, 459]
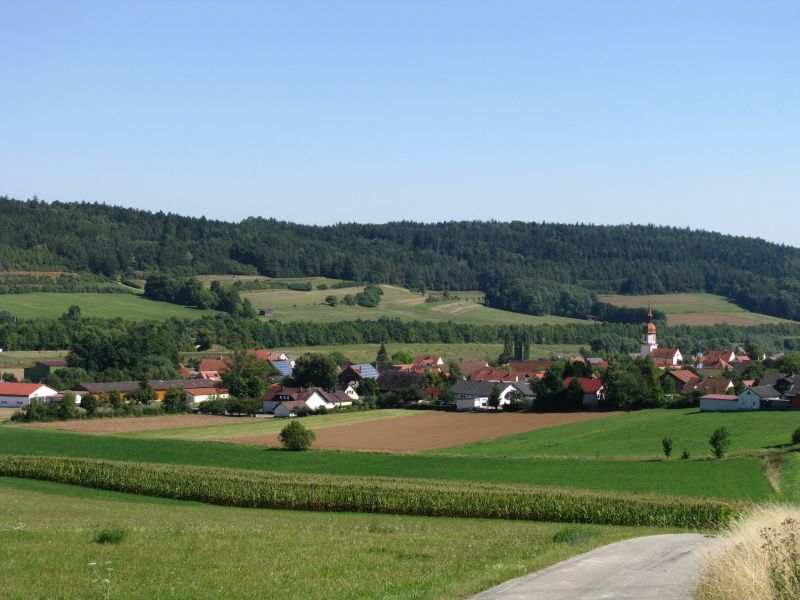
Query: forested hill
[521, 266]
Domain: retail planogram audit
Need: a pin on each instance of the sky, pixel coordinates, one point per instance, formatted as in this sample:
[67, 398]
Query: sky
[602, 111]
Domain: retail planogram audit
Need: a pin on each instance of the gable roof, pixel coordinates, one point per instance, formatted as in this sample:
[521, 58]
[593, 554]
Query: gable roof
[365, 371]
[427, 359]
[712, 385]
[8, 388]
[588, 385]
[283, 367]
[683, 375]
[496, 375]
[664, 353]
[764, 391]
[531, 366]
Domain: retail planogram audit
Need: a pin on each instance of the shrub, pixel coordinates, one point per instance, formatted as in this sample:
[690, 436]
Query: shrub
[666, 445]
[296, 437]
[720, 440]
[685, 455]
[215, 406]
[261, 489]
[796, 436]
[175, 400]
[111, 535]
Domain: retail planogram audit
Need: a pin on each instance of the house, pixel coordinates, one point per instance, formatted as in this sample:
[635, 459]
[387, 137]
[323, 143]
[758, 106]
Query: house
[710, 385]
[719, 403]
[211, 367]
[42, 368]
[293, 400]
[468, 367]
[428, 360]
[13, 395]
[593, 390]
[765, 397]
[788, 386]
[197, 395]
[683, 379]
[497, 375]
[666, 357]
[531, 366]
[355, 373]
[472, 395]
[347, 390]
[597, 363]
[716, 359]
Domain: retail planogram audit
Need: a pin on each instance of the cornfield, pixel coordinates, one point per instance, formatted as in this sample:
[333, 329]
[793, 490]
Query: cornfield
[259, 489]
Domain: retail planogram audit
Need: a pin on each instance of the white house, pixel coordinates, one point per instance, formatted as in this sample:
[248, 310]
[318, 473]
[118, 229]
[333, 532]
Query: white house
[719, 403]
[749, 400]
[471, 395]
[13, 395]
[197, 395]
[294, 398]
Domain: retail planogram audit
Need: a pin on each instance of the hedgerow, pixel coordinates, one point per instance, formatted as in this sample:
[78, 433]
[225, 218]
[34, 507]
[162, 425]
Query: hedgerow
[253, 489]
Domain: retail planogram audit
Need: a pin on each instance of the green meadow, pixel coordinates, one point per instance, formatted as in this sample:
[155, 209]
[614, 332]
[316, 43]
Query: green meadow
[179, 549]
[639, 435]
[734, 478]
[49, 305]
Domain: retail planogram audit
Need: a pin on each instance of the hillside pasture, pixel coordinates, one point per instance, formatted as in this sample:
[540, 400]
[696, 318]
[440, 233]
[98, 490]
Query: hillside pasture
[50, 528]
[400, 303]
[638, 435]
[694, 309]
[26, 358]
[50, 305]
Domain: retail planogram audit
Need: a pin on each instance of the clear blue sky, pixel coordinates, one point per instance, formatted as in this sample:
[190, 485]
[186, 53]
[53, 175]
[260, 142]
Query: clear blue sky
[681, 113]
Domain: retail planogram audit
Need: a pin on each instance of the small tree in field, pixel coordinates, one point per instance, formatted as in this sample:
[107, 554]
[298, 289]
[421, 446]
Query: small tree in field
[494, 397]
[720, 440]
[666, 444]
[296, 437]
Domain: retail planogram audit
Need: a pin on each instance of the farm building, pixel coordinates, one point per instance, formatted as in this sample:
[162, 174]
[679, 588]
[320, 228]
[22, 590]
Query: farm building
[472, 395]
[284, 401]
[719, 403]
[13, 395]
[39, 371]
[355, 373]
[593, 390]
[160, 386]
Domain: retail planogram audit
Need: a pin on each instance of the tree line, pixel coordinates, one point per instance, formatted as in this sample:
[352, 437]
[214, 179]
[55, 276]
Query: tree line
[561, 264]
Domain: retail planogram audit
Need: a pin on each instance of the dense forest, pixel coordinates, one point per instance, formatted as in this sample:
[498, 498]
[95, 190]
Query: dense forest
[531, 267]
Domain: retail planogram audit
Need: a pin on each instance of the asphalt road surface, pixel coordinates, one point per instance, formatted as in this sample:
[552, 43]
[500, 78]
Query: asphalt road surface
[656, 567]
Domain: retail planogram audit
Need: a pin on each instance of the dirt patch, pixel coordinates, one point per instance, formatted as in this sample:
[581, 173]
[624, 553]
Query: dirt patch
[5, 413]
[431, 431]
[713, 318]
[125, 425]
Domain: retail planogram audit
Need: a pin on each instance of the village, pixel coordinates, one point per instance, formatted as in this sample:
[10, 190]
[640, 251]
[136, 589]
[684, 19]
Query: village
[716, 380]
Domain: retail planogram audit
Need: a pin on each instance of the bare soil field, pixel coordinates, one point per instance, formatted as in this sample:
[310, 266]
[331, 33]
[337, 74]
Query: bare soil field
[5, 413]
[127, 424]
[431, 431]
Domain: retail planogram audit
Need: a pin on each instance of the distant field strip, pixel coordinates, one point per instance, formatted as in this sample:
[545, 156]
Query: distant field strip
[46, 305]
[252, 489]
[694, 309]
[639, 434]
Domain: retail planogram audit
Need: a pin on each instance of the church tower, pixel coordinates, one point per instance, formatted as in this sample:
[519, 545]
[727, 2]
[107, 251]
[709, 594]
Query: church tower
[648, 335]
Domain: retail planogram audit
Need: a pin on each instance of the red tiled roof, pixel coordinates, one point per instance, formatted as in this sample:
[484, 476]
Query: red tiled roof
[8, 388]
[727, 397]
[53, 363]
[207, 391]
[215, 364]
[588, 385]
[683, 375]
[492, 374]
[712, 385]
[427, 359]
[531, 366]
[663, 353]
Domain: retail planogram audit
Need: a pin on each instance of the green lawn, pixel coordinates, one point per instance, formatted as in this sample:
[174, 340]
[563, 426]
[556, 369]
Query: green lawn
[694, 309]
[290, 305]
[248, 427]
[639, 434]
[189, 550]
[730, 478]
[127, 306]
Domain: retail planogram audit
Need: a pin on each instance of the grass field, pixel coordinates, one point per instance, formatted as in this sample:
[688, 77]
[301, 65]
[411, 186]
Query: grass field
[188, 550]
[26, 358]
[128, 306]
[736, 478]
[694, 309]
[639, 435]
[360, 353]
[290, 305]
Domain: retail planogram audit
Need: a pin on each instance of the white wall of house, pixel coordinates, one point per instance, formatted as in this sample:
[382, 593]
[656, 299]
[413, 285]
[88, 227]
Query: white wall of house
[707, 404]
[471, 402]
[42, 393]
[282, 411]
[204, 397]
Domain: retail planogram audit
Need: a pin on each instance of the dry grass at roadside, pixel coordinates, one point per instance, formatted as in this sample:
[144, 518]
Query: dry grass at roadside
[758, 558]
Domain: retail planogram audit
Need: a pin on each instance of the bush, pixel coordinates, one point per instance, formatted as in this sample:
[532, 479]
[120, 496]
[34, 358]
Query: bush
[685, 455]
[111, 535]
[296, 437]
[301, 286]
[796, 436]
[260, 489]
[666, 444]
[175, 400]
[215, 406]
[720, 440]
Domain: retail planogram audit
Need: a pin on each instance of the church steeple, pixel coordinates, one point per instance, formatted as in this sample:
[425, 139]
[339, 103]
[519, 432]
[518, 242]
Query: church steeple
[648, 335]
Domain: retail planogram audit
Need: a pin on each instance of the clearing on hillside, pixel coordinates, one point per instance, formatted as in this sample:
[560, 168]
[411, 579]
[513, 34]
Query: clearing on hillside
[694, 309]
[429, 431]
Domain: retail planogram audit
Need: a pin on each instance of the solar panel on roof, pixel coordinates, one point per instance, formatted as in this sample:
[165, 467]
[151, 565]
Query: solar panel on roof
[284, 368]
[367, 371]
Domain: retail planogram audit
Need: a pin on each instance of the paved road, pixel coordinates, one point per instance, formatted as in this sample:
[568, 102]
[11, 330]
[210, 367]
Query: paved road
[657, 567]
